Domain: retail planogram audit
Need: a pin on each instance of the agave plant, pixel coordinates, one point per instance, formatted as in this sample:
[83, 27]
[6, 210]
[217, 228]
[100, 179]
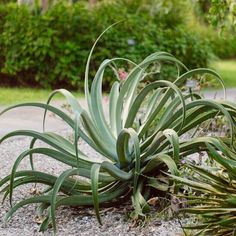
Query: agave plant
[139, 139]
[214, 200]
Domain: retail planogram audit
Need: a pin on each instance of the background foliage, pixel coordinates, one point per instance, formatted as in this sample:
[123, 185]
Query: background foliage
[218, 19]
[49, 49]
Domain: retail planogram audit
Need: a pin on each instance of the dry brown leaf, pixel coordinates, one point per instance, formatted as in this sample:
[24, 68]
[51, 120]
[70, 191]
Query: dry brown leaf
[153, 201]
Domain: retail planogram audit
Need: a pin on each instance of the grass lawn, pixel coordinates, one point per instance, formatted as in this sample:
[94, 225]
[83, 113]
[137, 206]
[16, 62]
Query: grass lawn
[18, 95]
[227, 70]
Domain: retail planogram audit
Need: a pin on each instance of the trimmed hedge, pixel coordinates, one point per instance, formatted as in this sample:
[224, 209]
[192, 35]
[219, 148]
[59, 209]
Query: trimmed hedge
[50, 49]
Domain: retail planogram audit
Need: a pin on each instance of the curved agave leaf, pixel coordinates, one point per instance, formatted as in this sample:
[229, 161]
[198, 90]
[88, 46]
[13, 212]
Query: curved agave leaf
[173, 138]
[96, 109]
[67, 159]
[140, 204]
[55, 190]
[36, 199]
[94, 177]
[154, 161]
[181, 79]
[112, 106]
[95, 139]
[123, 148]
[69, 187]
[137, 103]
[86, 80]
[168, 119]
[136, 75]
[87, 200]
[51, 139]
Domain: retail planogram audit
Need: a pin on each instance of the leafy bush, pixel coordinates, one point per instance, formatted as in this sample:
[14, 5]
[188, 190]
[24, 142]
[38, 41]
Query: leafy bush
[141, 141]
[50, 49]
[224, 46]
[214, 23]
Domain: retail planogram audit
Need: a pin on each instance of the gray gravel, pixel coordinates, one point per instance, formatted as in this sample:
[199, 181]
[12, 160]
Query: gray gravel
[70, 221]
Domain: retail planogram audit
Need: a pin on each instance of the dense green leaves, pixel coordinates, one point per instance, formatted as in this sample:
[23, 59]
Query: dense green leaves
[50, 49]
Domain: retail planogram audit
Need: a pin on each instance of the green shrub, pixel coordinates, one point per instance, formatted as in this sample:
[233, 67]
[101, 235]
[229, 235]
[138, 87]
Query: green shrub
[143, 139]
[208, 18]
[224, 46]
[50, 49]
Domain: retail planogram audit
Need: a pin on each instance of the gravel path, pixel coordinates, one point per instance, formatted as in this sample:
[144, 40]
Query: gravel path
[70, 221]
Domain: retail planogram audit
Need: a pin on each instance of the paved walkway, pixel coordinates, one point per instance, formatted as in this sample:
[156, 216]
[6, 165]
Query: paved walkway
[27, 118]
[218, 94]
[31, 118]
